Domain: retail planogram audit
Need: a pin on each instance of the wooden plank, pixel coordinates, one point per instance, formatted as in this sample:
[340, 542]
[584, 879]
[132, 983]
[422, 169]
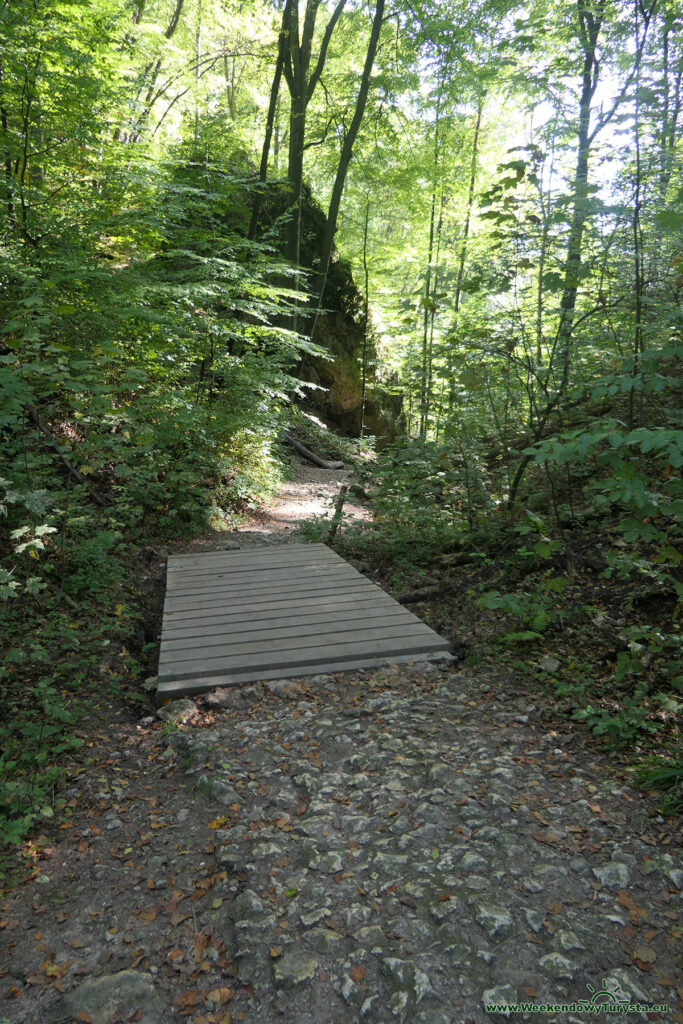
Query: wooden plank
[196, 685]
[282, 660]
[237, 616]
[276, 645]
[219, 618]
[297, 589]
[268, 631]
[269, 553]
[278, 607]
[204, 571]
[247, 581]
[281, 618]
[285, 554]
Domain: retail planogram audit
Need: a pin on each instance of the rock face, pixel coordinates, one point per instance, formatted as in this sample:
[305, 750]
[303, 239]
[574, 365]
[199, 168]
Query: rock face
[340, 331]
[121, 996]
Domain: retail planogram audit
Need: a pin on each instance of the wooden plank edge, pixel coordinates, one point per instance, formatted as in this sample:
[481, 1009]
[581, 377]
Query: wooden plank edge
[286, 654]
[173, 689]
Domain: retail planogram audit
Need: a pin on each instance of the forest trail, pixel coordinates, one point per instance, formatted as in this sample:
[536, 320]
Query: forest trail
[408, 844]
[310, 494]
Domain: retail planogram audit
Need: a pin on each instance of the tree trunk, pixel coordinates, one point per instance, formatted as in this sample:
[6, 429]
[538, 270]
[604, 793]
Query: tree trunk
[366, 325]
[296, 69]
[590, 22]
[466, 231]
[346, 153]
[272, 110]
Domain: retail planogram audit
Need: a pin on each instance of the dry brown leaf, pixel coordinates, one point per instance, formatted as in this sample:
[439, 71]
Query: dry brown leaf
[275, 951]
[191, 998]
[357, 973]
[178, 917]
[221, 995]
[82, 1017]
[149, 915]
[546, 837]
[645, 954]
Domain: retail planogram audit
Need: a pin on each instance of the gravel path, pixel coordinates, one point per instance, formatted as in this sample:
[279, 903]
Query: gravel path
[410, 847]
[410, 844]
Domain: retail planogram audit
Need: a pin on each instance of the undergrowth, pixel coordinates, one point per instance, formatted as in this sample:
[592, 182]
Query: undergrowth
[585, 602]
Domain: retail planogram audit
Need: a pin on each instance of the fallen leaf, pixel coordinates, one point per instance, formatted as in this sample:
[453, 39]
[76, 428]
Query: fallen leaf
[546, 837]
[645, 954]
[635, 913]
[444, 897]
[275, 951]
[217, 823]
[220, 995]
[191, 998]
[357, 973]
[178, 917]
[58, 970]
[529, 991]
[149, 915]
[82, 1017]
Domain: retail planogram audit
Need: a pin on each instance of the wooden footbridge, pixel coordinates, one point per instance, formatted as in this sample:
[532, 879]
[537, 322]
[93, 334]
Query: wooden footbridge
[233, 617]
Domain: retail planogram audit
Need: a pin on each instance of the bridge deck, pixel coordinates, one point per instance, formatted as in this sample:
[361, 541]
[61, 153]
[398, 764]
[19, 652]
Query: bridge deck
[234, 617]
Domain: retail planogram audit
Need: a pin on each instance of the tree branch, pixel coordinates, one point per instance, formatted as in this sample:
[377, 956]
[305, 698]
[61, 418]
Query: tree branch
[322, 56]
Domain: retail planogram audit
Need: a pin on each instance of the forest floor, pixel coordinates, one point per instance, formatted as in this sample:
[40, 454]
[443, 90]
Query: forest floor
[405, 844]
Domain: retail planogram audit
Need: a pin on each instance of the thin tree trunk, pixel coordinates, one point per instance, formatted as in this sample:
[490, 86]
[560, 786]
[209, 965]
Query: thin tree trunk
[590, 22]
[466, 231]
[366, 310]
[198, 58]
[296, 70]
[272, 111]
[427, 298]
[9, 174]
[470, 204]
[638, 251]
[346, 153]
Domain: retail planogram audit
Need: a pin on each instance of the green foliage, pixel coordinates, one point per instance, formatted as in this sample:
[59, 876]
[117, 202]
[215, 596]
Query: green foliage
[535, 611]
[33, 750]
[423, 493]
[623, 724]
[664, 774]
